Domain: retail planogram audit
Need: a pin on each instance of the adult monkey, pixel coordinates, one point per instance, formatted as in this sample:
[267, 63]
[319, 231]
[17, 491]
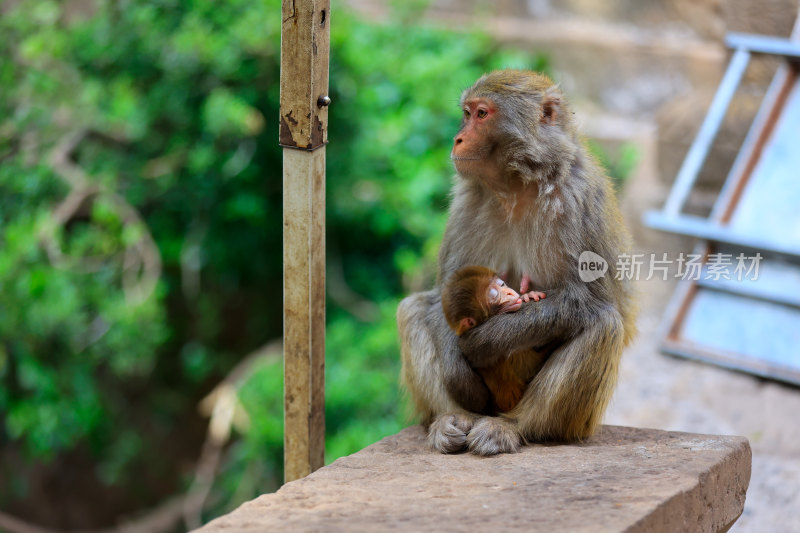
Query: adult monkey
[528, 201]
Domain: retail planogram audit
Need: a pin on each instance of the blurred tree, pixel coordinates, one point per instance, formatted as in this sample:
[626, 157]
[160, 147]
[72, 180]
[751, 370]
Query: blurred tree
[140, 239]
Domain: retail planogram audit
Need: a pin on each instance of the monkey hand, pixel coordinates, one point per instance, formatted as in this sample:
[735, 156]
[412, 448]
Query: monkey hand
[535, 324]
[532, 295]
[525, 291]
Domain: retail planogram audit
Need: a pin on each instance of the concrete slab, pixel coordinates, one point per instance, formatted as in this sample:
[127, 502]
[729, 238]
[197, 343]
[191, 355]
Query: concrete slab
[622, 479]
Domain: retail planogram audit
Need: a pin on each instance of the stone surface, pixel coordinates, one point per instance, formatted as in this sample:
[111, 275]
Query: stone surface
[622, 479]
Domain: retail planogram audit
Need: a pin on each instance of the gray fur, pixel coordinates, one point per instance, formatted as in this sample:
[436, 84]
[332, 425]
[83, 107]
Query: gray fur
[583, 325]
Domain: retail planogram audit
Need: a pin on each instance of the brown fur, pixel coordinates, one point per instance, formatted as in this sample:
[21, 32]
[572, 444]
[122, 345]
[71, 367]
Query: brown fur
[529, 199]
[464, 295]
[508, 379]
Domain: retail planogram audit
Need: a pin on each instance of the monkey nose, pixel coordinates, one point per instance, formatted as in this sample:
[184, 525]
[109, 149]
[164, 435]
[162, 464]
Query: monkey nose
[459, 140]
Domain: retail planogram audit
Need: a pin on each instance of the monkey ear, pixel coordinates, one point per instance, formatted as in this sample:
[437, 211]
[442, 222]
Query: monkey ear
[464, 324]
[551, 105]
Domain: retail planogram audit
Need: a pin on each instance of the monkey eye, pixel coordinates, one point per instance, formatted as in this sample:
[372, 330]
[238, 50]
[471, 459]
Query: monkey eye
[482, 113]
[466, 113]
[493, 294]
[500, 282]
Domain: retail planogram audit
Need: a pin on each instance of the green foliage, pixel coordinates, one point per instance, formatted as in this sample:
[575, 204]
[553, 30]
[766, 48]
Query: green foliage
[362, 397]
[176, 105]
[60, 327]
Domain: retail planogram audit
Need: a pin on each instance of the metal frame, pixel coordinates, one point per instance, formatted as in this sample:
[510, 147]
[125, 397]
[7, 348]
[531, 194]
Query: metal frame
[763, 44]
[745, 45]
[705, 229]
[714, 229]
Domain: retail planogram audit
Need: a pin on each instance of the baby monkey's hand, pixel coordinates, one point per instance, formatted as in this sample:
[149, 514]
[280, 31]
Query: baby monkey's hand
[526, 294]
[532, 295]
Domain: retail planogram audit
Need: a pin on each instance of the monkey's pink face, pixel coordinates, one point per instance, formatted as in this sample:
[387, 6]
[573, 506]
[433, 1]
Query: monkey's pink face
[502, 297]
[471, 146]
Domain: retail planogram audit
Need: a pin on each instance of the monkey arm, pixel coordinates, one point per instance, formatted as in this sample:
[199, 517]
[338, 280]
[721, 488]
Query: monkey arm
[462, 383]
[557, 318]
[466, 386]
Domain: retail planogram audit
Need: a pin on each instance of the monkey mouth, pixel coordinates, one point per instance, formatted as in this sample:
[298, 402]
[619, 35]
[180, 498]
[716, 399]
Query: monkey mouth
[512, 307]
[461, 158]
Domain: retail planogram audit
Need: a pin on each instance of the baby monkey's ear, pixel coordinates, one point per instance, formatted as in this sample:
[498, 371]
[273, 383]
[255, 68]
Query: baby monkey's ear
[464, 324]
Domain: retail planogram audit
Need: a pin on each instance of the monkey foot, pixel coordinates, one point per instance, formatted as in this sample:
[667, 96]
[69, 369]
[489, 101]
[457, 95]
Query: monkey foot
[492, 435]
[448, 433]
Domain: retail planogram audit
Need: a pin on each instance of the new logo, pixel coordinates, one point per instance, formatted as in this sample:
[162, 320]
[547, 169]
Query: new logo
[591, 266]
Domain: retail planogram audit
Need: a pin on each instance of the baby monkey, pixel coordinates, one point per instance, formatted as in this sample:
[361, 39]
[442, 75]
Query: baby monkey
[469, 297]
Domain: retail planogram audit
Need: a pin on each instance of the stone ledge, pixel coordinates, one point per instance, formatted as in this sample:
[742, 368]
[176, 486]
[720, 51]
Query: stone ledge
[622, 479]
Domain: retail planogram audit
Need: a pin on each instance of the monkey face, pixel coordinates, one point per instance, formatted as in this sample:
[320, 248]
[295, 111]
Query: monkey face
[515, 123]
[502, 298]
[473, 144]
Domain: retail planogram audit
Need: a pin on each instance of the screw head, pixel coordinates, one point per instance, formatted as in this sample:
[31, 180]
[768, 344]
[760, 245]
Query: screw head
[324, 101]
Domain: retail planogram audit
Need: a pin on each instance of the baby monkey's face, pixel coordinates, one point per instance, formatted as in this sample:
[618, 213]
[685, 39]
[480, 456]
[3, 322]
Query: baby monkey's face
[502, 298]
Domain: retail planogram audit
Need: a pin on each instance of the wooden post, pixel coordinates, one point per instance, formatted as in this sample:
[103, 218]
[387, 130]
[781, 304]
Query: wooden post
[305, 48]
